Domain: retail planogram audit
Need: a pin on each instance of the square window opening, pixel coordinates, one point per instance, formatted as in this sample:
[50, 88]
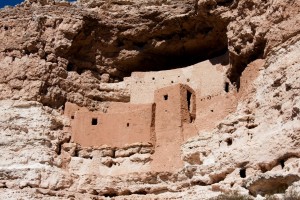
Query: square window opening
[94, 121]
[166, 97]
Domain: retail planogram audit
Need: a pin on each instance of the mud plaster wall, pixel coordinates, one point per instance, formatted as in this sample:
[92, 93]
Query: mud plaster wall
[166, 124]
[213, 108]
[71, 108]
[208, 81]
[114, 129]
[206, 78]
[172, 116]
[117, 107]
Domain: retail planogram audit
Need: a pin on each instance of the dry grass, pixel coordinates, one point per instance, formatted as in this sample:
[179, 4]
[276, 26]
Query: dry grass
[232, 196]
[292, 195]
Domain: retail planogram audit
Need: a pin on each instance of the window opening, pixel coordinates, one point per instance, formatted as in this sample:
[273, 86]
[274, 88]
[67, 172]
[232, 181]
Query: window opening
[228, 141]
[94, 121]
[243, 173]
[226, 87]
[166, 97]
[281, 163]
[70, 67]
[188, 98]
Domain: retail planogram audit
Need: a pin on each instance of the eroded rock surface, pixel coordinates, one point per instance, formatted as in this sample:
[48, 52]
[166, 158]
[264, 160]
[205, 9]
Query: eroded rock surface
[52, 52]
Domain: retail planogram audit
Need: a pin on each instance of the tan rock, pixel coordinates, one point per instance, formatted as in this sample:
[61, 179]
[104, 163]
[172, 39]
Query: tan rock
[53, 52]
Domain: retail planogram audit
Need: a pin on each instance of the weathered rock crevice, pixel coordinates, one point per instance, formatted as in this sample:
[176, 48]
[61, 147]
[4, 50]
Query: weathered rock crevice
[81, 54]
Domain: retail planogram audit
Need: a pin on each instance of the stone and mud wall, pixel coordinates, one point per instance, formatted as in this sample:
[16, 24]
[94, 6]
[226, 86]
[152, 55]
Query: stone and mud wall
[215, 95]
[115, 129]
[165, 124]
[174, 109]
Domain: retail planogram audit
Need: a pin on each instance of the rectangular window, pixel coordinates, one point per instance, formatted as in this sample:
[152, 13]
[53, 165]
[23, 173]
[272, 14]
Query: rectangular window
[166, 97]
[189, 98]
[226, 87]
[94, 121]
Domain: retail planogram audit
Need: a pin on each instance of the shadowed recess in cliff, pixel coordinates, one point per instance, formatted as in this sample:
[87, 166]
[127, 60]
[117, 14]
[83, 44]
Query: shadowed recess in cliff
[82, 53]
[239, 61]
[189, 41]
[193, 42]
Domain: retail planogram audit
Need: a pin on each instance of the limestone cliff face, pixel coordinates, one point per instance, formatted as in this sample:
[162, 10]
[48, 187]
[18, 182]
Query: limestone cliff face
[52, 52]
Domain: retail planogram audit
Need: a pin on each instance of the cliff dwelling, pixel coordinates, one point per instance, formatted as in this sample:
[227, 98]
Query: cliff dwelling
[151, 99]
[166, 108]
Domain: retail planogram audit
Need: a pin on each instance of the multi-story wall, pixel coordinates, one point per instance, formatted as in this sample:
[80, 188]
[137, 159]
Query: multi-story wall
[175, 105]
[206, 78]
[175, 112]
[166, 124]
[166, 108]
[126, 123]
[214, 96]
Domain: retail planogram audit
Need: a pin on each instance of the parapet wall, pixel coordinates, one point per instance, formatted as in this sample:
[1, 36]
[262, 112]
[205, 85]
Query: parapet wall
[71, 109]
[119, 107]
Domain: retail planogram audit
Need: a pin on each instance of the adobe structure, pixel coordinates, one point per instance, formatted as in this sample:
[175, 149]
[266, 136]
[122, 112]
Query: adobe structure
[166, 108]
[215, 97]
[116, 128]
